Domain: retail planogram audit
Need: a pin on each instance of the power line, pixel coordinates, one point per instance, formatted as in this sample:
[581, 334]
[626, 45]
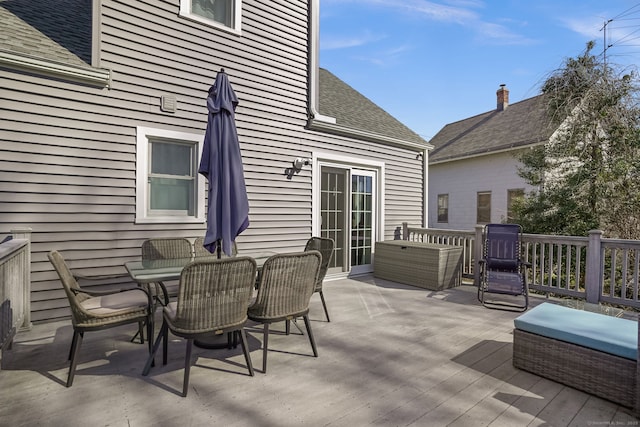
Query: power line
[607, 44]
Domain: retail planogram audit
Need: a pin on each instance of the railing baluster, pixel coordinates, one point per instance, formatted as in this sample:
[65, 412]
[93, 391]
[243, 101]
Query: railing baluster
[562, 256]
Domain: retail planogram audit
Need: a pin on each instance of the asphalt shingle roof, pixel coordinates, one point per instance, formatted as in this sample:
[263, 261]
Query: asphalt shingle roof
[520, 124]
[353, 110]
[56, 30]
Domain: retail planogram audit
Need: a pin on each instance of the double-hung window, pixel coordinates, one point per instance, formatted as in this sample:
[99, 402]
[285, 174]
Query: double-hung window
[512, 196]
[484, 207]
[225, 14]
[443, 208]
[169, 189]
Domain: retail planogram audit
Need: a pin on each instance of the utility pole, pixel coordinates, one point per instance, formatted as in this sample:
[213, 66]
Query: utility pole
[604, 41]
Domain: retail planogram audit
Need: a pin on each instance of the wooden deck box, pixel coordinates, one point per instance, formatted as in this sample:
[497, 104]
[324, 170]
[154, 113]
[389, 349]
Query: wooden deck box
[426, 265]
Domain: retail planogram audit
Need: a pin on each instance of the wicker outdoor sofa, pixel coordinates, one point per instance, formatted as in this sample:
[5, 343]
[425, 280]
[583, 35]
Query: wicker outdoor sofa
[588, 351]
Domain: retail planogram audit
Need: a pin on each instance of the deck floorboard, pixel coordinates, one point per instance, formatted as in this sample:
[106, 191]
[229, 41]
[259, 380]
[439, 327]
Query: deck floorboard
[392, 355]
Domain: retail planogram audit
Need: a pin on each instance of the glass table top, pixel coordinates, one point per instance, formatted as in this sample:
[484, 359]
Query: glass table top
[160, 270]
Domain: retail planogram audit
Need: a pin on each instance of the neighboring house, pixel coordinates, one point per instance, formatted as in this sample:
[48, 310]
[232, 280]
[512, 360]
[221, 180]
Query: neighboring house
[473, 168]
[103, 101]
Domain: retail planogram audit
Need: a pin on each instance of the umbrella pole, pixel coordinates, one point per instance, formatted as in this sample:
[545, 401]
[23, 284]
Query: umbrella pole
[216, 342]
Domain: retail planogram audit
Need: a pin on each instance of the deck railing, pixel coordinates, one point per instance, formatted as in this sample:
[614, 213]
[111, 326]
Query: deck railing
[592, 268]
[15, 286]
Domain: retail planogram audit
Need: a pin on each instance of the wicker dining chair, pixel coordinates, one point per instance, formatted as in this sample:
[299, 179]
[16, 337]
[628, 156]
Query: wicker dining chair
[286, 284]
[97, 310]
[325, 246]
[200, 251]
[166, 249]
[212, 300]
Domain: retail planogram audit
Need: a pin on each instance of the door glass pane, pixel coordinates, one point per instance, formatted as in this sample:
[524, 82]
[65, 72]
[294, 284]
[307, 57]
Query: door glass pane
[361, 215]
[332, 194]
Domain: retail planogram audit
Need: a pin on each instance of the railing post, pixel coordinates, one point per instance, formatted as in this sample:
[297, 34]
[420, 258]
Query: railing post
[25, 233]
[593, 275]
[477, 255]
[405, 231]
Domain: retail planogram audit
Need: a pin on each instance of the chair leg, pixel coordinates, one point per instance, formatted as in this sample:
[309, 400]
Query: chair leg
[75, 350]
[139, 333]
[324, 304]
[187, 368]
[265, 342]
[287, 327]
[150, 327]
[155, 348]
[73, 344]
[165, 346]
[311, 340]
[245, 350]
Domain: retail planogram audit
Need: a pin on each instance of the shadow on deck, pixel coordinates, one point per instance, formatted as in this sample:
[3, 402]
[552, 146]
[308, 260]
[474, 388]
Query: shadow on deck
[392, 355]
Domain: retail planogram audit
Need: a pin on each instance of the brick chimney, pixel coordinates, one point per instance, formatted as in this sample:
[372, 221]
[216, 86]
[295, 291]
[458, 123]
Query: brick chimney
[503, 97]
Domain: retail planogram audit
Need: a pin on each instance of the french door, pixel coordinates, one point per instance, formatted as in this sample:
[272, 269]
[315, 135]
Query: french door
[348, 215]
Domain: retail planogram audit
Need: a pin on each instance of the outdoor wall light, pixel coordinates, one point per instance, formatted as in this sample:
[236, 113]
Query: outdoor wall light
[300, 162]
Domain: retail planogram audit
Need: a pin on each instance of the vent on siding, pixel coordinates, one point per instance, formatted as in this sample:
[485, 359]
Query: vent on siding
[168, 103]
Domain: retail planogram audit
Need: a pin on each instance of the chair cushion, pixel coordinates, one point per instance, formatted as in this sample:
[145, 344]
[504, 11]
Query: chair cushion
[509, 264]
[171, 309]
[593, 330]
[108, 304]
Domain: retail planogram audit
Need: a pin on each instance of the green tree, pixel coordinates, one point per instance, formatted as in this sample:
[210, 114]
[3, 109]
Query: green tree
[588, 174]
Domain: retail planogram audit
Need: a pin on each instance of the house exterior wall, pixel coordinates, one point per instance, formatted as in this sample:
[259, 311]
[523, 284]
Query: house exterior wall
[463, 179]
[68, 151]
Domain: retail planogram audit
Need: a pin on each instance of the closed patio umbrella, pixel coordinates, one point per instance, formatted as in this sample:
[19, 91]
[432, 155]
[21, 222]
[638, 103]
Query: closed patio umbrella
[221, 164]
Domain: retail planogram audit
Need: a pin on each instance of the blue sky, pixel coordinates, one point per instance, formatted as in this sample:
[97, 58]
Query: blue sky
[429, 63]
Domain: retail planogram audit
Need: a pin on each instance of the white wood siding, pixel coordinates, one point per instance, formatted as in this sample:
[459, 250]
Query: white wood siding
[463, 179]
[67, 152]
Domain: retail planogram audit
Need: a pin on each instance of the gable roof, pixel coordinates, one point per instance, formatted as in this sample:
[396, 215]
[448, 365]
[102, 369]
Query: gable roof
[521, 124]
[354, 111]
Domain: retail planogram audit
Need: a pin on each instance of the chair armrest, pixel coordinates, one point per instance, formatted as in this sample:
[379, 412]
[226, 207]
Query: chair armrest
[80, 276]
[111, 292]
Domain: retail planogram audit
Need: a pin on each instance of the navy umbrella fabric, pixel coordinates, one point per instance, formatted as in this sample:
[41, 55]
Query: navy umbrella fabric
[221, 164]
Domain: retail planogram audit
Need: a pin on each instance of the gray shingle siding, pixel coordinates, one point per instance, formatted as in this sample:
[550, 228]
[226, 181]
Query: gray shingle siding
[68, 150]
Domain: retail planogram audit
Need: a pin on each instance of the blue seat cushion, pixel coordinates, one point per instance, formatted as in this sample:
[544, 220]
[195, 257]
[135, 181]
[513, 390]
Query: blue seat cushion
[592, 330]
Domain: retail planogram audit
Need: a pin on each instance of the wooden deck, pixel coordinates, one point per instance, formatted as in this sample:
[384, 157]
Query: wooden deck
[392, 355]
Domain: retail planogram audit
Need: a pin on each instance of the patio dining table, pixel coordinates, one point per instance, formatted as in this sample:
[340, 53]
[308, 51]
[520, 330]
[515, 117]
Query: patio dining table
[163, 270]
[146, 272]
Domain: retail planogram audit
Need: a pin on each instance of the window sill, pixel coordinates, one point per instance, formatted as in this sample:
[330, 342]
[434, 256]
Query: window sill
[170, 220]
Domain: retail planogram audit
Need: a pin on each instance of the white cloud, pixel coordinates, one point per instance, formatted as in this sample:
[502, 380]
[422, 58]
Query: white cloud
[331, 42]
[499, 34]
[587, 27]
[460, 12]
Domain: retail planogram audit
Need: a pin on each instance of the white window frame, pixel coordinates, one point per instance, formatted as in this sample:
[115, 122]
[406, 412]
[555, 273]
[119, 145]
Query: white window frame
[348, 162]
[143, 137]
[185, 12]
